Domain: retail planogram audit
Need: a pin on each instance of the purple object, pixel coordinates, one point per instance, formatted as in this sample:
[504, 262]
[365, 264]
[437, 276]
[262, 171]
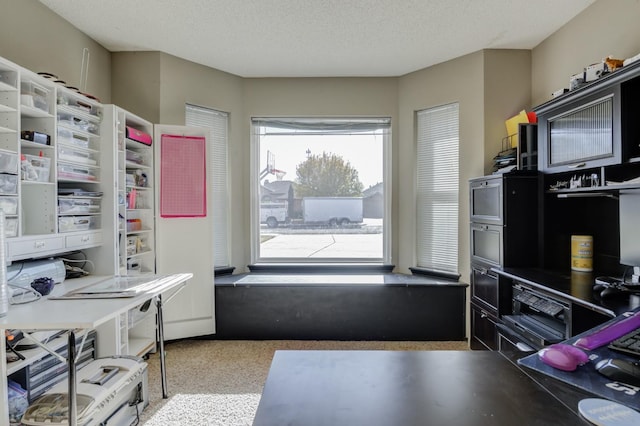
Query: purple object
[43, 285]
[609, 332]
[563, 357]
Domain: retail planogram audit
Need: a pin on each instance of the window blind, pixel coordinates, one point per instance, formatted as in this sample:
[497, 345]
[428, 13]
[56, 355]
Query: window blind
[437, 188]
[218, 122]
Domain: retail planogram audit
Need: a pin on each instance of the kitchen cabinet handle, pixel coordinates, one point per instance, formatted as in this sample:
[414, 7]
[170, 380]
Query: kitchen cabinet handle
[577, 166]
[523, 347]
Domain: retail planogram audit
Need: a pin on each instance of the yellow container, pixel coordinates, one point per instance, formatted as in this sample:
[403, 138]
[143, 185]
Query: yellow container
[581, 284]
[582, 253]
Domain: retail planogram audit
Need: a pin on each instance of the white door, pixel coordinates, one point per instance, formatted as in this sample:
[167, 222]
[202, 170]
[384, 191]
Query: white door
[184, 240]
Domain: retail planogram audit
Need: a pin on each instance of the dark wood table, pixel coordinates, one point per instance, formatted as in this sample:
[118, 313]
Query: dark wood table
[334, 388]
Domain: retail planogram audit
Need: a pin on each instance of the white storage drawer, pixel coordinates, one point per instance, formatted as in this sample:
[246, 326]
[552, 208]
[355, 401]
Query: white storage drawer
[11, 227]
[76, 172]
[34, 95]
[23, 248]
[77, 155]
[69, 137]
[8, 161]
[72, 122]
[77, 223]
[9, 205]
[68, 205]
[83, 240]
[8, 184]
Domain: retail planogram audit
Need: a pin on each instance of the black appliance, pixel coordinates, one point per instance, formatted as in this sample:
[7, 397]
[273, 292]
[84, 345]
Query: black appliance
[538, 318]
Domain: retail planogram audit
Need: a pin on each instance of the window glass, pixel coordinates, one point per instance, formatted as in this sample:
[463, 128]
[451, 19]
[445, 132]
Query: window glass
[437, 188]
[320, 190]
[218, 122]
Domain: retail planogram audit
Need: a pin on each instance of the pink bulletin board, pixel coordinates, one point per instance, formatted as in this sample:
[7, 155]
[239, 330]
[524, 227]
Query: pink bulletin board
[183, 178]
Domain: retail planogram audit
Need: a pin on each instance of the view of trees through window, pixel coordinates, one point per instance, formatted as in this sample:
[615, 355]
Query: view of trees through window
[321, 189]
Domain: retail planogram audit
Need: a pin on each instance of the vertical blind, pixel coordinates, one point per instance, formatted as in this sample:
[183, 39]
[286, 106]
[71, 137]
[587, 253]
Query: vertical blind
[218, 122]
[437, 188]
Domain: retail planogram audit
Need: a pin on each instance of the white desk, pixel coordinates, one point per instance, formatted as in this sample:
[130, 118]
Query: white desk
[49, 314]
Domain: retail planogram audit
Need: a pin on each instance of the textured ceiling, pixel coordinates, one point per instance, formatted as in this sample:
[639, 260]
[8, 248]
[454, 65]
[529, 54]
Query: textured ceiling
[317, 38]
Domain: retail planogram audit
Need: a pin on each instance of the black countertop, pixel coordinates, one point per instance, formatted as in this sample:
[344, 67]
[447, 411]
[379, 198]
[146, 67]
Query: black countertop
[574, 286]
[335, 279]
[408, 388]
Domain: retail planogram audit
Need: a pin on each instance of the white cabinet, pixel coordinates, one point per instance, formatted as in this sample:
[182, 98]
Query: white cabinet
[128, 222]
[80, 187]
[37, 155]
[50, 186]
[136, 187]
[131, 199]
[9, 149]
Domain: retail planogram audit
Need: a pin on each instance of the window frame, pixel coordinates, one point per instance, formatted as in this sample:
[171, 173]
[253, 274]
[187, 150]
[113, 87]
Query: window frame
[272, 263]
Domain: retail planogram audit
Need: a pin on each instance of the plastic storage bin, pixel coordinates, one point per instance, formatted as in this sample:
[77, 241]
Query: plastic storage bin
[134, 157]
[41, 166]
[76, 172]
[9, 205]
[78, 205]
[79, 124]
[134, 225]
[11, 227]
[34, 95]
[8, 161]
[77, 223]
[71, 138]
[8, 184]
[76, 155]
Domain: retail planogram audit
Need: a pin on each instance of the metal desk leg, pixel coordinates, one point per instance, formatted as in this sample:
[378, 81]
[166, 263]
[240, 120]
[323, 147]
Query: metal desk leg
[163, 371]
[71, 363]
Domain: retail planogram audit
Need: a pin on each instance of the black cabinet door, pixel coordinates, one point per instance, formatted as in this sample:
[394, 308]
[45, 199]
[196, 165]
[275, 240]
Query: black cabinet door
[484, 335]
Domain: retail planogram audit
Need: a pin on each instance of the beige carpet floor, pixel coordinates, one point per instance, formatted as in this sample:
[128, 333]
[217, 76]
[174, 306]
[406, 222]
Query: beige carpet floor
[215, 382]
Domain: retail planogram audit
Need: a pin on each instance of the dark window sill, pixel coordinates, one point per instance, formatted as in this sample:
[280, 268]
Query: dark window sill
[320, 268]
[434, 273]
[223, 270]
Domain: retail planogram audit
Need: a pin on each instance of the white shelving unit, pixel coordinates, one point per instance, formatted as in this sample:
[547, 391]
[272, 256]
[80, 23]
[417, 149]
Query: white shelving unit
[38, 181]
[49, 142]
[131, 218]
[129, 222]
[78, 155]
[10, 150]
[135, 168]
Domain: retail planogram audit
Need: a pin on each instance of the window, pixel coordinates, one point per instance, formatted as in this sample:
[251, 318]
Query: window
[218, 122]
[320, 190]
[437, 188]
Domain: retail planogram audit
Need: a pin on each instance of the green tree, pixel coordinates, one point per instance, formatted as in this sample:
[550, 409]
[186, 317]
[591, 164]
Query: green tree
[327, 175]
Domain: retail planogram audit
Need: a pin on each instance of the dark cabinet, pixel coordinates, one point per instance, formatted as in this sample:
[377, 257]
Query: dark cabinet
[483, 329]
[484, 288]
[503, 233]
[504, 219]
[581, 134]
[593, 126]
